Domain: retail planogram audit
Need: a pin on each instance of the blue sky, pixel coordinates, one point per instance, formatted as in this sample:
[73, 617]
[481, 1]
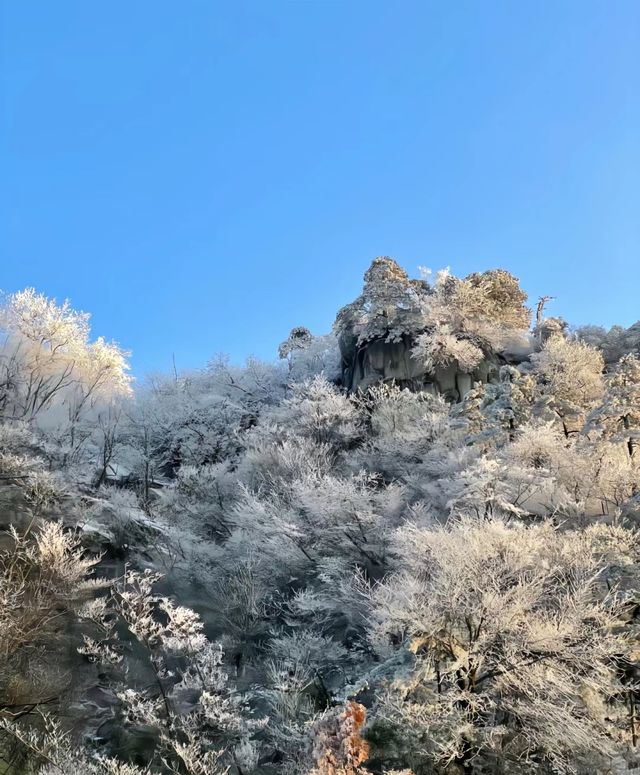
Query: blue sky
[202, 176]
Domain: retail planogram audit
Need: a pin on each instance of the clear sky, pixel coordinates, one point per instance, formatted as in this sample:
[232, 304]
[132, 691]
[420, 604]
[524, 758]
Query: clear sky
[202, 176]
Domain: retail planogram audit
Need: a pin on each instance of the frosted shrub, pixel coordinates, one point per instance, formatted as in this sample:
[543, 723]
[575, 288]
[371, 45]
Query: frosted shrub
[506, 624]
[53, 752]
[292, 708]
[400, 414]
[14, 437]
[44, 579]
[319, 411]
[14, 466]
[308, 356]
[280, 462]
[205, 496]
[569, 374]
[202, 734]
[43, 490]
[441, 349]
[307, 647]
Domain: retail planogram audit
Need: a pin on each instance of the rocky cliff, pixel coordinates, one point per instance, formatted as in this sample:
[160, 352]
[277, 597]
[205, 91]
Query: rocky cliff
[380, 332]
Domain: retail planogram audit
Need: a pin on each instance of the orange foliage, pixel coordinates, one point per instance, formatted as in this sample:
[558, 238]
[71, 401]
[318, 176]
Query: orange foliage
[339, 748]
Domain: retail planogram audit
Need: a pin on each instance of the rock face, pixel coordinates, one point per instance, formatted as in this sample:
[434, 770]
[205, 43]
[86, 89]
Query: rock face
[365, 364]
[377, 334]
[380, 361]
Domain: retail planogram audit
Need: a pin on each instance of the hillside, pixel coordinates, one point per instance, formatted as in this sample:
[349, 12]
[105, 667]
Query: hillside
[404, 547]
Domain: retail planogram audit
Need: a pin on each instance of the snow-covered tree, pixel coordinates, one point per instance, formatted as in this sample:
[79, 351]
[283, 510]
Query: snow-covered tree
[569, 373]
[47, 358]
